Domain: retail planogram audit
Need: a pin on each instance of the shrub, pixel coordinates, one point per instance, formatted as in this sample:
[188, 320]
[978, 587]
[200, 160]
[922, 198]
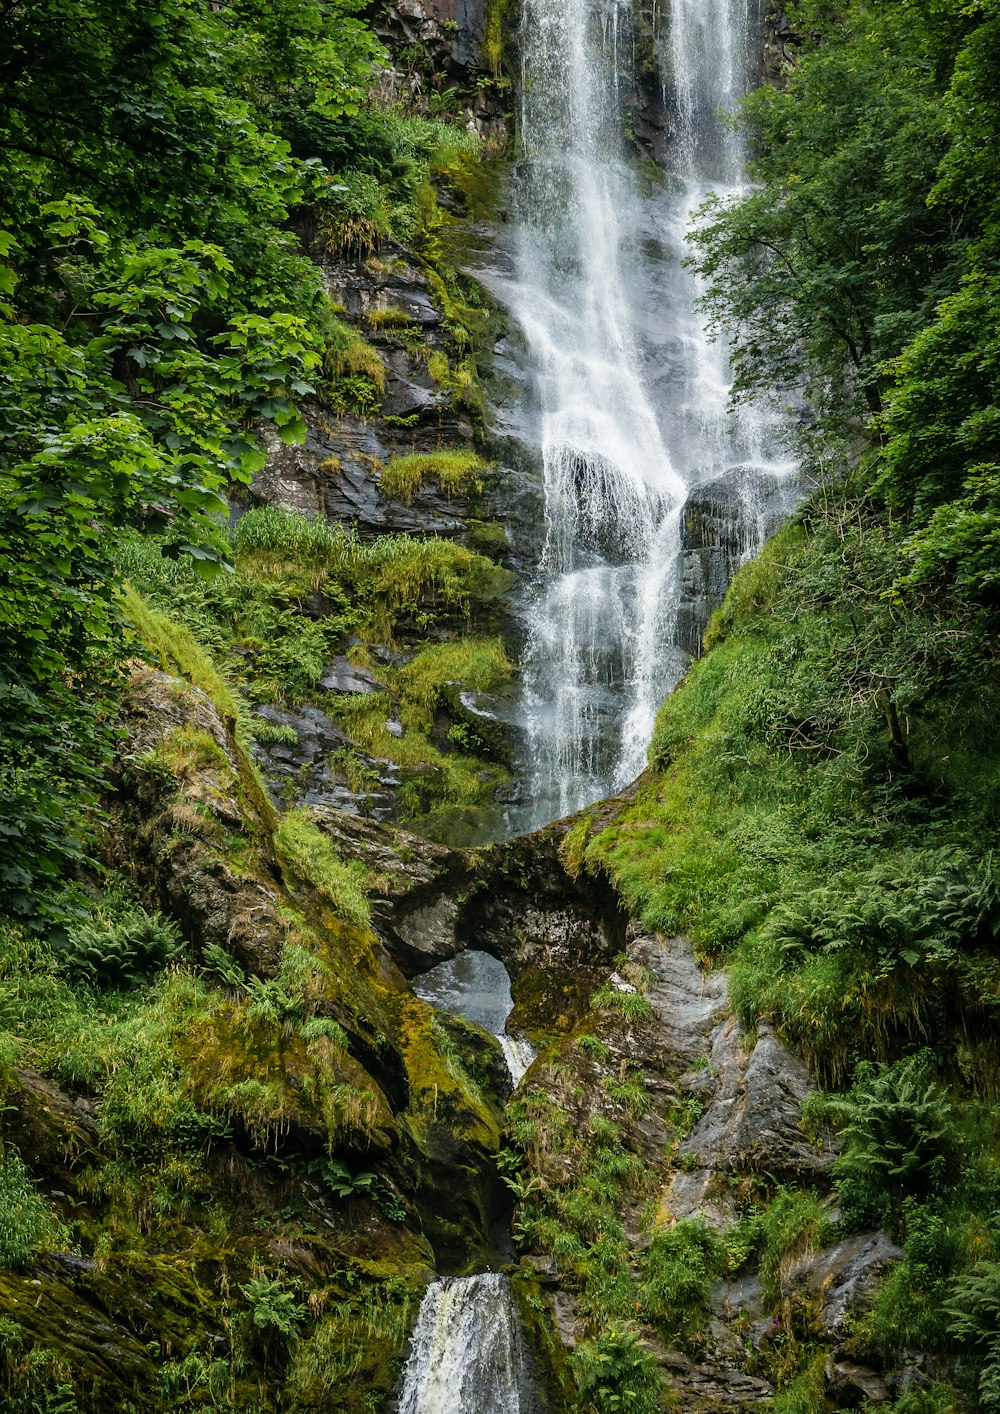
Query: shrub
[973, 1308]
[897, 1140]
[677, 1274]
[25, 1220]
[633, 1006]
[616, 1373]
[275, 1311]
[795, 1221]
[120, 952]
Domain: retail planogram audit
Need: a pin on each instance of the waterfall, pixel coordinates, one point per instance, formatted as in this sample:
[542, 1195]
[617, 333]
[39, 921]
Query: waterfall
[518, 1052]
[632, 396]
[467, 1355]
[474, 985]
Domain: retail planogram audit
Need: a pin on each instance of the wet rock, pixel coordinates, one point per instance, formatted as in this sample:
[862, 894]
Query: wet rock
[744, 1296]
[725, 522]
[753, 1119]
[841, 1281]
[344, 676]
[409, 390]
[778, 47]
[418, 888]
[699, 1195]
[173, 833]
[48, 1126]
[566, 1319]
[489, 720]
[335, 473]
[687, 1001]
[301, 773]
[850, 1385]
[453, 32]
[706, 1386]
[515, 901]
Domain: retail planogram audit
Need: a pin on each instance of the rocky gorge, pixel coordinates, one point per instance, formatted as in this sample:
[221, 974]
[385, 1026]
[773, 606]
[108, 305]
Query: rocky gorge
[537, 659]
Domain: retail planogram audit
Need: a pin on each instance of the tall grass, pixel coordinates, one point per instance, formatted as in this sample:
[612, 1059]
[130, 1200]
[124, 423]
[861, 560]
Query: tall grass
[454, 470]
[181, 653]
[302, 848]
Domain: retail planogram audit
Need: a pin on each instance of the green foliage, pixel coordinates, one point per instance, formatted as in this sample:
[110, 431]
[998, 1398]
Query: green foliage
[302, 848]
[677, 1274]
[147, 335]
[631, 1005]
[120, 951]
[793, 1222]
[824, 781]
[34, 1380]
[382, 182]
[897, 1138]
[275, 1311]
[832, 259]
[862, 262]
[973, 1309]
[354, 371]
[617, 1372]
[25, 1220]
[806, 1393]
[454, 471]
[375, 1315]
[253, 624]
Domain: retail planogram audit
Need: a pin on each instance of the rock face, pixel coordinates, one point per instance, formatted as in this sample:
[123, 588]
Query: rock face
[515, 901]
[193, 821]
[779, 41]
[840, 1283]
[753, 1096]
[454, 35]
[722, 1111]
[725, 522]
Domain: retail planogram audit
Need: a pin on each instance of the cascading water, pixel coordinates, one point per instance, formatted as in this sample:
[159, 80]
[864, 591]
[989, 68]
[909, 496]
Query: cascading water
[467, 1355]
[476, 986]
[632, 394]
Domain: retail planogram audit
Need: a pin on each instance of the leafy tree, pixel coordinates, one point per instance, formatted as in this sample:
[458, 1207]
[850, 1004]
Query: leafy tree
[832, 259]
[155, 314]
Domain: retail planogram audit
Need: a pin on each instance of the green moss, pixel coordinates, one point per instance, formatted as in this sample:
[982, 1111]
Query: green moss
[501, 19]
[180, 652]
[357, 1344]
[455, 471]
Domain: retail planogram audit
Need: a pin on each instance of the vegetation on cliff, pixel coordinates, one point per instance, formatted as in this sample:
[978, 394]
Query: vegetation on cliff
[243, 1123]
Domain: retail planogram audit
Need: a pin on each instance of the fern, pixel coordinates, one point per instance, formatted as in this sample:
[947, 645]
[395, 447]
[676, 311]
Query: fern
[897, 1137]
[974, 1319]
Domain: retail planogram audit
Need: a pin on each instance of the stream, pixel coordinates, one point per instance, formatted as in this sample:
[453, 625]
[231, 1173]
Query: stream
[626, 411]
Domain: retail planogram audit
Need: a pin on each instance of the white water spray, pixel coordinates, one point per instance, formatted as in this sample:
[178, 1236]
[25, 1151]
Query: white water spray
[467, 1355]
[519, 1053]
[633, 395]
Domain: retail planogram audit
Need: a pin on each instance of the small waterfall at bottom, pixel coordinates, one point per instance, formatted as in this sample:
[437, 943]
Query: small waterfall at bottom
[518, 1052]
[468, 1353]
